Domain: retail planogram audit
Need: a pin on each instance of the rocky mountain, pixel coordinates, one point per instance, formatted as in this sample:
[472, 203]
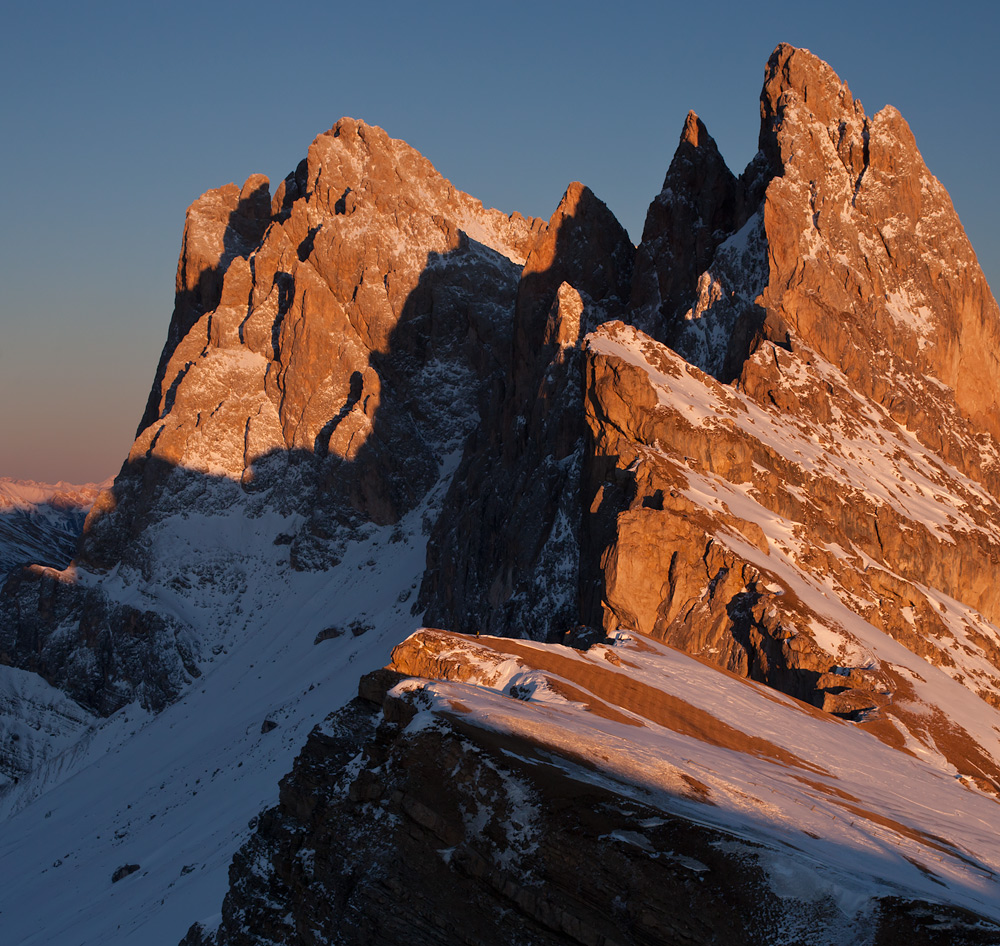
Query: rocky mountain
[719, 509]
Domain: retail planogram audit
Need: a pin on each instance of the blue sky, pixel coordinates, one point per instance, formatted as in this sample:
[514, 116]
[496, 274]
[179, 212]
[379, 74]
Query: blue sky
[116, 116]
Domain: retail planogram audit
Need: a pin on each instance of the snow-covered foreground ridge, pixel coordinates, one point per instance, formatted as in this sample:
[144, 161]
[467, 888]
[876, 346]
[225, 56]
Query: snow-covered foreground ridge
[515, 791]
[862, 820]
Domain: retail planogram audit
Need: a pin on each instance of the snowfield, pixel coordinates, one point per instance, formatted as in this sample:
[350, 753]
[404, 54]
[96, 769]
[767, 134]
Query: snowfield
[175, 793]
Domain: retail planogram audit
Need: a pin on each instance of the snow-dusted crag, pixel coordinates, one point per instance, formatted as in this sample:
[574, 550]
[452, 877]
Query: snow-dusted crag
[747, 469]
[503, 556]
[327, 354]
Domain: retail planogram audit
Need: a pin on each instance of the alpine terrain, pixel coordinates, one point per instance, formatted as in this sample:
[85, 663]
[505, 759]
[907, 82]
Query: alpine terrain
[482, 579]
[40, 522]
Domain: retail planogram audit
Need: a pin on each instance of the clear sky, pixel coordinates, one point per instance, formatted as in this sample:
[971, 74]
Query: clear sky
[115, 116]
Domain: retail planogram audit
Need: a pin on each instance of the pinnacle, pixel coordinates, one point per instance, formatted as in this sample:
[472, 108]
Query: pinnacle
[694, 130]
[575, 192]
[802, 73]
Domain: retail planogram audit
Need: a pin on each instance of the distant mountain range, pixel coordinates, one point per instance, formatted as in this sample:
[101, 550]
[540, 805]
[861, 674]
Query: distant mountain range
[41, 522]
[480, 579]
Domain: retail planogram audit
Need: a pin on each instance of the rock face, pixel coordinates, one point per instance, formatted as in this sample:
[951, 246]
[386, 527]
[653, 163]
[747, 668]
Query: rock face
[504, 553]
[329, 348]
[722, 523]
[849, 443]
[869, 265]
[701, 208]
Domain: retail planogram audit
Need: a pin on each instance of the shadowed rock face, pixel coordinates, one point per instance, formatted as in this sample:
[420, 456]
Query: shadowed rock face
[567, 883]
[702, 209]
[328, 349]
[504, 556]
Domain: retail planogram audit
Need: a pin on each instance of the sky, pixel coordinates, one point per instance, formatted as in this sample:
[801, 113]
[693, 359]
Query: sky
[116, 116]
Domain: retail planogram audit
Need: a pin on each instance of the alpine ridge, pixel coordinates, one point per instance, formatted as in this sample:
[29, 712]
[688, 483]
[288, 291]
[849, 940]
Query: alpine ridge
[609, 594]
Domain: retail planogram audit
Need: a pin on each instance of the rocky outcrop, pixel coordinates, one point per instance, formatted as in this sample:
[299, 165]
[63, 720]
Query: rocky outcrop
[405, 858]
[868, 264]
[504, 556]
[695, 254]
[524, 840]
[353, 335]
[328, 350]
[541, 868]
[220, 226]
[714, 521]
[833, 284]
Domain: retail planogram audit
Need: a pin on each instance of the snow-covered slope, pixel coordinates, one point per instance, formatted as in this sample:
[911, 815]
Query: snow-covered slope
[725, 751]
[176, 792]
[524, 792]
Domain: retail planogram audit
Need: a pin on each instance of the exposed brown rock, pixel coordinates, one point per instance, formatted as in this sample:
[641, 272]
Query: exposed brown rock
[869, 264]
[767, 437]
[668, 561]
[327, 351]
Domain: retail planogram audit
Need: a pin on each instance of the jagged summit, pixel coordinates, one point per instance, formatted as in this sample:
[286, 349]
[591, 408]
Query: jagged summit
[869, 264]
[734, 491]
[694, 130]
[698, 207]
[797, 75]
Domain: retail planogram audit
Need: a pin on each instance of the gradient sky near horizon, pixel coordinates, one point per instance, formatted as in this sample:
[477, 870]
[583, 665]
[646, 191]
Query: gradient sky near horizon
[117, 115]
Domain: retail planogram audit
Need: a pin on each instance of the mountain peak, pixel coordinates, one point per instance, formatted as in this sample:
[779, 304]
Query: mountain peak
[793, 69]
[575, 195]
[694, 130]
[796, 80]
[749, 472]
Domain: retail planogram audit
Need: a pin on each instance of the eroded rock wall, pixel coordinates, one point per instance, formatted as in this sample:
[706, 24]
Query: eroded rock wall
[329, 349]
[504, 554]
